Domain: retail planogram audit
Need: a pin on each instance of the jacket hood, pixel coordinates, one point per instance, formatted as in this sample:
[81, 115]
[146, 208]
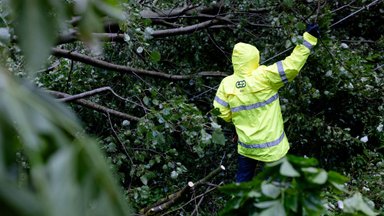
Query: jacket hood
[245, 59]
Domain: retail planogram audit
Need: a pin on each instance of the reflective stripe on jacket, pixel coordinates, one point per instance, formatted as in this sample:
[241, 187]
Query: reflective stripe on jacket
[249, 98]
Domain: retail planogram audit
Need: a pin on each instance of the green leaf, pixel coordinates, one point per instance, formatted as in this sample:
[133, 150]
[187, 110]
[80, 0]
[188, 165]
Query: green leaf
[5, 36]
[146, 177]
[237, 189]
[109, 8]
[320, 178]
[286, 169]
[276, 209]
[335, 177]
[266, 204]
[312, 204]
[155, 102]
[270, 190]
[218, 137]
[288, 3]
[155, 56]
[315, 175]
[146, 101]
[302, 161]
[291, 199]
[215, 112]
[300, 26]
[232, 204]
[36, 30]
[357, 204]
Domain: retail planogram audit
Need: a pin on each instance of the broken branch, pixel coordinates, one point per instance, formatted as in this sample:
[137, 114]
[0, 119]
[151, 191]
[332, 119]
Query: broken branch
[125, 69]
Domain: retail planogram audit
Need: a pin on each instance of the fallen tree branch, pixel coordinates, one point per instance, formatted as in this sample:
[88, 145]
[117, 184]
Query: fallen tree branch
[95, 106]
[125, 69]
[166, 202]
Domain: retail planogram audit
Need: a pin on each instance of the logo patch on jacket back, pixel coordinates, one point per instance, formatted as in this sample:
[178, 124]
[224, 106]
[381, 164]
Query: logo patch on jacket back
[241, 84]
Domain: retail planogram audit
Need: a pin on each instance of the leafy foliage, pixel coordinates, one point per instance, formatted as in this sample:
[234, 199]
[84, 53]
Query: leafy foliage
[168, 144]
[290, 186]
[46, 161]
[48, 166]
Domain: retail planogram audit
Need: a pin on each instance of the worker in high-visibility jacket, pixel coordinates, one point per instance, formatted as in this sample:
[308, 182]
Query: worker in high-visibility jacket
[249, 99]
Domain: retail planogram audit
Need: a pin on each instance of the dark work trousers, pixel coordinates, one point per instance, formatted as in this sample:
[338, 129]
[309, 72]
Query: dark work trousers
[246, 168]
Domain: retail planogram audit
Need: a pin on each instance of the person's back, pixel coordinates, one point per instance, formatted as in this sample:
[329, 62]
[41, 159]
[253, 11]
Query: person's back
[249, 98]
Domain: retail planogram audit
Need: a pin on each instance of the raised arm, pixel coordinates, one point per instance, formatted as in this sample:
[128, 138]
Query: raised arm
[284, 71]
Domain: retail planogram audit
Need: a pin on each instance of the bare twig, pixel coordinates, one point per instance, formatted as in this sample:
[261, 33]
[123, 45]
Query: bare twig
[85, 94]
[378, 67]
[184, 30]
[359, 10]
[96, 106]
[196, 210]
[121, 144]
[197, 197]
[342, 7]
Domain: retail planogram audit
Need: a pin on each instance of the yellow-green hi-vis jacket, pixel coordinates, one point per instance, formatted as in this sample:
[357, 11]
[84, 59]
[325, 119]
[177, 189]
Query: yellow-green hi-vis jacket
[249, 98]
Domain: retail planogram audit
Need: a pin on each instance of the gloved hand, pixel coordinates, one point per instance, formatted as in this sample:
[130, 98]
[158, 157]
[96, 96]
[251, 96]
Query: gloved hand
[313, 29]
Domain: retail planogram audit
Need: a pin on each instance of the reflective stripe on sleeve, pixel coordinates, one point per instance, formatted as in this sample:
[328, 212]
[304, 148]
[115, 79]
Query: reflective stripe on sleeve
[263, 145]
[280, 68]
[220, 101]
[255, 105]
[307, 44]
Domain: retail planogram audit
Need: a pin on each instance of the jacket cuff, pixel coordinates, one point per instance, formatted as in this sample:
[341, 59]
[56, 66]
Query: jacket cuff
[310, 38]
